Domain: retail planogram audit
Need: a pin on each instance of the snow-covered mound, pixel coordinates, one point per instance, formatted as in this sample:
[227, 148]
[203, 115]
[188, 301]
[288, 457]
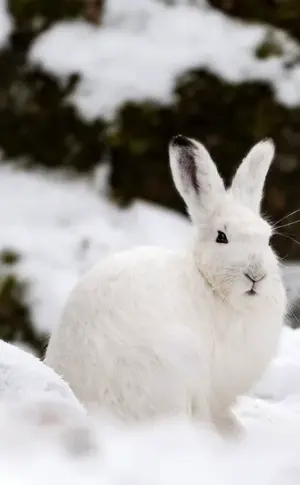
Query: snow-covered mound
[24, 377]
[143, 46]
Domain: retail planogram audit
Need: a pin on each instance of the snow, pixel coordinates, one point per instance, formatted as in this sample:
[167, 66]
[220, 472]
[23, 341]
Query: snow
[39, 436]
[142, 47]
[5, 23]
[25, 376]
[292, 280]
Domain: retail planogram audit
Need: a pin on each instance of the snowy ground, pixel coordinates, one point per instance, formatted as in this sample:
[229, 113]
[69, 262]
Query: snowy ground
[56, 445]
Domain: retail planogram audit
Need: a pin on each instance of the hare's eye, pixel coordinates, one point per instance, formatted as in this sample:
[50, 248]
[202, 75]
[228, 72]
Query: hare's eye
[222, 238]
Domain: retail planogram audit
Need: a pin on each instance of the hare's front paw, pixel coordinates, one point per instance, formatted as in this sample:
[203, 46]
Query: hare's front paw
[229, 426]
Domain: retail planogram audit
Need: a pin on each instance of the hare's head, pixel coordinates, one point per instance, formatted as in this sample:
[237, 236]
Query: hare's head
[232, 249]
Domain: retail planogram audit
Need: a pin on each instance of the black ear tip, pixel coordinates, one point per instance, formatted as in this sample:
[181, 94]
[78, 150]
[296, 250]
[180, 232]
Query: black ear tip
[181, 141]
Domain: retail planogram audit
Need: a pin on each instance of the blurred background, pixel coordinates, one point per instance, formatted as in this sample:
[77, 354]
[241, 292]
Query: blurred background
[91, 92]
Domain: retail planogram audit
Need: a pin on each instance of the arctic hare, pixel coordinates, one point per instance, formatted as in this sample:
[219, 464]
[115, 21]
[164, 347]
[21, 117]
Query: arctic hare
[150, 332]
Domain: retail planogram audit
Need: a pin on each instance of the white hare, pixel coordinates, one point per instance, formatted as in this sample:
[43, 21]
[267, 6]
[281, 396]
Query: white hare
[150, 332]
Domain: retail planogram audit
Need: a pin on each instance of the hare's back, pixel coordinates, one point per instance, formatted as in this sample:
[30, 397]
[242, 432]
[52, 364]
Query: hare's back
[142, 279]
[129, 299]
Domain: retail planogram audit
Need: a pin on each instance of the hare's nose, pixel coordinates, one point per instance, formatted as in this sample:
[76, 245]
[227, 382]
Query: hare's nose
[255, 278]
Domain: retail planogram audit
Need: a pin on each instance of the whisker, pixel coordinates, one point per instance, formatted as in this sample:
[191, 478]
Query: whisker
[281, 260]
[288, 215]
[288, 237]
[288, 224]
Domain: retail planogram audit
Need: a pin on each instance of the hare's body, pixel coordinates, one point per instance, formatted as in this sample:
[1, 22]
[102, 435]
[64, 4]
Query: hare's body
[149, 332]
[191, 353]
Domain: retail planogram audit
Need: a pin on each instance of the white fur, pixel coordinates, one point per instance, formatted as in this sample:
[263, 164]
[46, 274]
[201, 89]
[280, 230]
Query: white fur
[150, 332]
[24, 377]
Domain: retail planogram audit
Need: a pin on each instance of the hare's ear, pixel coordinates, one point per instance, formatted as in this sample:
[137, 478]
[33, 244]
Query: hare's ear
[195, 175]
[249, 180]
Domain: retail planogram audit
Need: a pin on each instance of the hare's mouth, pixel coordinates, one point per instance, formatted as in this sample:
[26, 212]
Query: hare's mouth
[251, 292]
